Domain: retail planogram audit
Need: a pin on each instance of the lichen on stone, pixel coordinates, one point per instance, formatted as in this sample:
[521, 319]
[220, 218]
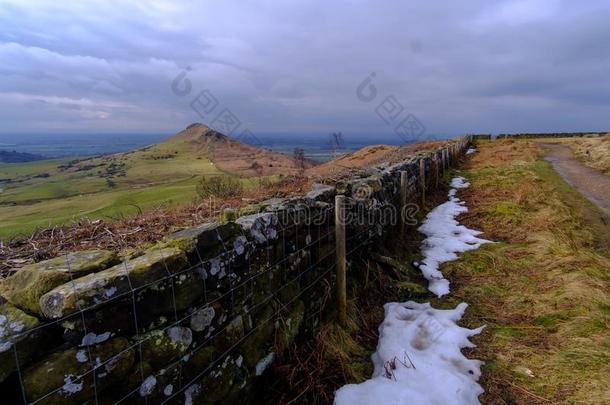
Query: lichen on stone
[100, 287]
[202, 318]
[24, 288]
[148, 385]
[16, 329]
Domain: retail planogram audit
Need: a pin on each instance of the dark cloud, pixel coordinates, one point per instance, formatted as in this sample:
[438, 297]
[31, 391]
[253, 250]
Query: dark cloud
[514, 65]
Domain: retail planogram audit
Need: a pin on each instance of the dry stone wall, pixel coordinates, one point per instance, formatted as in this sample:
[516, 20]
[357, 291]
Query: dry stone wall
[550, 135]
[198, 316]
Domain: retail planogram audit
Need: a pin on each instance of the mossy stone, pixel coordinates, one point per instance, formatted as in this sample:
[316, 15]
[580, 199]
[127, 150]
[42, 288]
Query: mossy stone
[220, 382]
[256, 345]
[163, 297]
[99, 287]
[24, 288]
[66, 374]
[201, 237]
[160, 347]
[14, 325]
[159, 385]
[289, 325]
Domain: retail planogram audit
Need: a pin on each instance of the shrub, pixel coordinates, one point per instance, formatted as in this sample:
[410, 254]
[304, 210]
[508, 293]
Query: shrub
[219, 187]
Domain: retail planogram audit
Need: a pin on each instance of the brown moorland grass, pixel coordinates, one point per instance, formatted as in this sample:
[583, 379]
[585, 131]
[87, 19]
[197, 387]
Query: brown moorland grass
[369, 156]
[542, 290]
[127, 235]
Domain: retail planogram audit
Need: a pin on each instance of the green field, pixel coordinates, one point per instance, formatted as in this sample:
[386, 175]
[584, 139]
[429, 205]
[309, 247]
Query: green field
[51, 192]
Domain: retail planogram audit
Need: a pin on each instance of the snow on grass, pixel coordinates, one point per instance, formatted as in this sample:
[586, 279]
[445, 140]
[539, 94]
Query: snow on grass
[445, 237]
[418, 360]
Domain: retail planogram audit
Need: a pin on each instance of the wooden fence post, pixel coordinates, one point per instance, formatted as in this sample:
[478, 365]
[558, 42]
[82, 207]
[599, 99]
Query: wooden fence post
[422, 180]
[404, 184]
[453, 155]
[436, 170]
[341, 260]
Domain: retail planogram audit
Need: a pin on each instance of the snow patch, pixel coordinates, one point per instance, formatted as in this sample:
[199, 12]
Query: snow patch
[168, 390]
[418, 360]
[445, 238]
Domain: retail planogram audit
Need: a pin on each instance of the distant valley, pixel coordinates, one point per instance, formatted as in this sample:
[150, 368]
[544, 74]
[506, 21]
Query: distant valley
[12, 156]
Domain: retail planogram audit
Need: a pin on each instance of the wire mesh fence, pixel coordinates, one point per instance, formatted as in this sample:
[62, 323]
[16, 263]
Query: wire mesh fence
[197, 317]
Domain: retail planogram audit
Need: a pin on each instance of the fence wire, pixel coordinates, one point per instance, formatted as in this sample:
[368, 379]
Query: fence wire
[234, 295]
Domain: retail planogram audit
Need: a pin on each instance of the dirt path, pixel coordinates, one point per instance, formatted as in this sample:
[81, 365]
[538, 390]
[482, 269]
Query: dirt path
[591, 183]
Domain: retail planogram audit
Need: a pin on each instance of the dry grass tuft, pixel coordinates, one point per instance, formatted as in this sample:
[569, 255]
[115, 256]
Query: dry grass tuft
[504, 152]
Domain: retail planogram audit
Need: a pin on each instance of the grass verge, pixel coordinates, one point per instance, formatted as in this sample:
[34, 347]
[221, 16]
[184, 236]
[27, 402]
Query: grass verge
[542, 290]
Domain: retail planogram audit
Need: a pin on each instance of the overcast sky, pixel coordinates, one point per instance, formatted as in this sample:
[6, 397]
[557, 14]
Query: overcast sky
[295, 66]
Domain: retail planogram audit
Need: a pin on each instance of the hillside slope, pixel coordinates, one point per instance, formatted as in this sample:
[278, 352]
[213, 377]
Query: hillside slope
[235, 157]
[50, 192]
[369, 156]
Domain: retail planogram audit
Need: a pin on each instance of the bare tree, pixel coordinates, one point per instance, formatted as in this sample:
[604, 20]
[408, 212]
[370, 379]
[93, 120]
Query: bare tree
[336, 143]
[299, 159]
[258, 168]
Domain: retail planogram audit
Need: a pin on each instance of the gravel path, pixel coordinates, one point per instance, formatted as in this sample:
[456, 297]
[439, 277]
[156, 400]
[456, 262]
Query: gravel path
[591, 183]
